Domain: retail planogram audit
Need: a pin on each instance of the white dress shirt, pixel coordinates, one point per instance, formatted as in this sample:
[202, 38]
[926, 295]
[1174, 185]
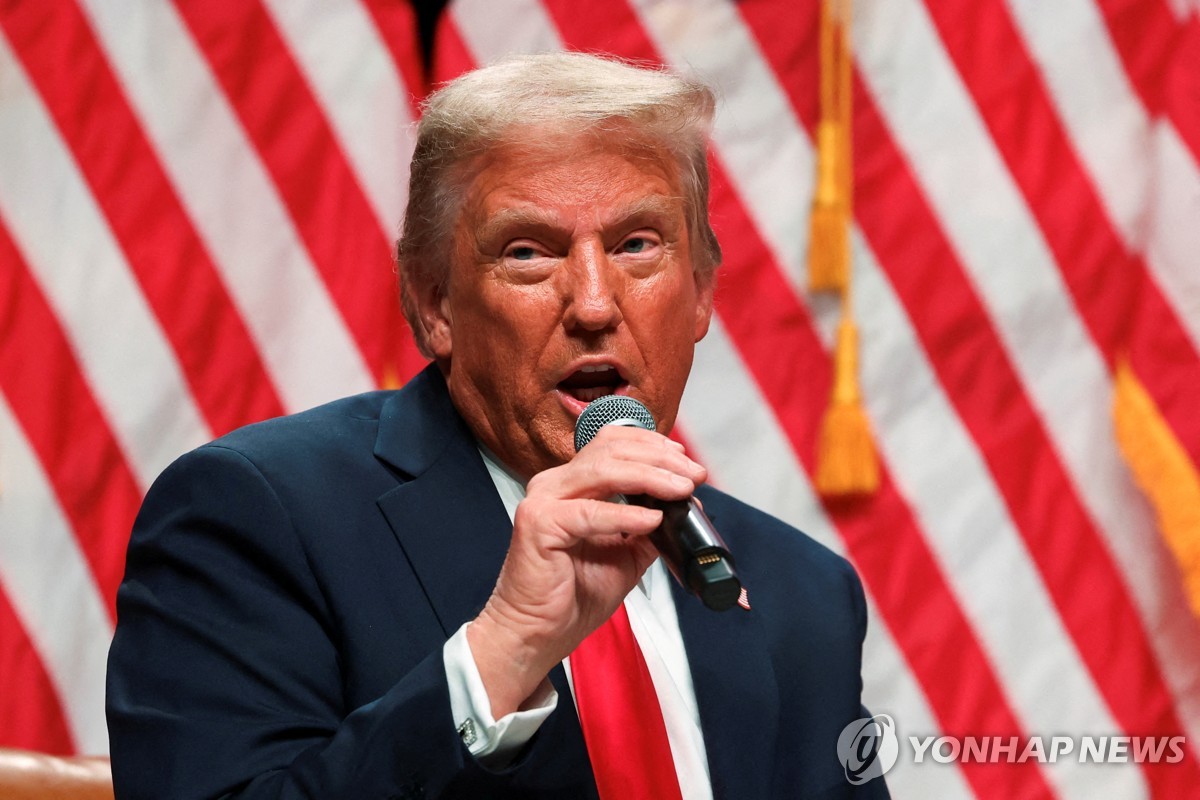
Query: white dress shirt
[655, 626]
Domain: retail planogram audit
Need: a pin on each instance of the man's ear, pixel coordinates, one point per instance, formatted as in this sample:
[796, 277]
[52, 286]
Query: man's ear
[704, 303]
[437, 319]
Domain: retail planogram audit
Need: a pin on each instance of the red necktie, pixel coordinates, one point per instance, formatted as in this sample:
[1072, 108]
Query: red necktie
[620, 715]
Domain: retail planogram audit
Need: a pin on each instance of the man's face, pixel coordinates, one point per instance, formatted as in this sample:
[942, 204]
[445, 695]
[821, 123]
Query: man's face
[571, 278]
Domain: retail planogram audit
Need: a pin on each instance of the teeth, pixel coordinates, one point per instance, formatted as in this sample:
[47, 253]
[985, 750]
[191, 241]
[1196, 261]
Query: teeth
[597, 368]
[588, 395]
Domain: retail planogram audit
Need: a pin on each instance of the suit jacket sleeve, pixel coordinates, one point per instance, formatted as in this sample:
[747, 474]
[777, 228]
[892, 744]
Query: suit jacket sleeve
[225, 674]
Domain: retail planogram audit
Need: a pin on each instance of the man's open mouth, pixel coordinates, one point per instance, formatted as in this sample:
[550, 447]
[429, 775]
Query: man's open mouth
[590, 382]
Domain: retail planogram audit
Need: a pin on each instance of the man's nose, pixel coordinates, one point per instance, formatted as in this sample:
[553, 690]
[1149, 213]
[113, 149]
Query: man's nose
[593, 290]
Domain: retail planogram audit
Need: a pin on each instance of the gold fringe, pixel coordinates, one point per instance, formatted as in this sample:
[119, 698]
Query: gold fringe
[1163, 471]
[846, 461]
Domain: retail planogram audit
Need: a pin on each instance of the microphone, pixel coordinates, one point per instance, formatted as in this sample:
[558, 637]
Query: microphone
[686, 539]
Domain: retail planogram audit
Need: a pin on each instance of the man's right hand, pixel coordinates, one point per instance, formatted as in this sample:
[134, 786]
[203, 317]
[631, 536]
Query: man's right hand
[573, 557]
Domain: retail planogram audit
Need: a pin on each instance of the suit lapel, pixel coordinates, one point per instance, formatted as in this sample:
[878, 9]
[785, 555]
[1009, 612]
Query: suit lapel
[446, 513]
[454, 530]
[737, 694]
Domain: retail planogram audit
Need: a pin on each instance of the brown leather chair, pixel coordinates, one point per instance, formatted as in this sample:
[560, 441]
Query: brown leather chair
[25, 775]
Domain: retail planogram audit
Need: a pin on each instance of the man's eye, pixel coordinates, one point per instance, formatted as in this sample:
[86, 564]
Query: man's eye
[522, 253]
[635, 244]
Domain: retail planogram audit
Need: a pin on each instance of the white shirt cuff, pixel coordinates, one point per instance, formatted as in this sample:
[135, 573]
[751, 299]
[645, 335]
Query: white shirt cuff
[493, 741]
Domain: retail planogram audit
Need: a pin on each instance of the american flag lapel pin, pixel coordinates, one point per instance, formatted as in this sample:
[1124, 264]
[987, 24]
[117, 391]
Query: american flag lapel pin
[744, 599]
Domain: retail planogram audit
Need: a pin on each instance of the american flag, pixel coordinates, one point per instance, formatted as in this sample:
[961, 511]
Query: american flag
[197, 204]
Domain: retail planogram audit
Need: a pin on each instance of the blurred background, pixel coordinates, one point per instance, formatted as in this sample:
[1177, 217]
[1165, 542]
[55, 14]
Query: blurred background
[197, 205]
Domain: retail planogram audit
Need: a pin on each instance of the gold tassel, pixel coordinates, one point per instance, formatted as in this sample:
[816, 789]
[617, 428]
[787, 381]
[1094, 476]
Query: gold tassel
[846, 459]
[1163, 471]
[829, 220]
[828, 224]
[846, 462]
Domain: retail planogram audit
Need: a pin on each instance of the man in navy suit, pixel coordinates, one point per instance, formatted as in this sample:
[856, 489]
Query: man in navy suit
[378, 597]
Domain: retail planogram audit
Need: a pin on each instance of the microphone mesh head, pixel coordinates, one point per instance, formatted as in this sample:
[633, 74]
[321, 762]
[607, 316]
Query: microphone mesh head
[612, 409]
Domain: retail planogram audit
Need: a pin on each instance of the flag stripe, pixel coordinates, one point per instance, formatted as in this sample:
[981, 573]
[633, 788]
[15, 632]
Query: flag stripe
[1183, 85]
[30, 713]
[358, 91]
[397, 25]
[482, 37]
[52, 590]
[1110, 284]
[993, 230]
[914, 278]
[1136, 163]
[1147, 710]
[368, 95]
[875, 328]
[715, 41]
[40, 375]
[1150, 37]
[949, 500]
[1168, 239]
[451, 56]
[887, 679]
[889, 206]
[174, 271]
[287, 126]
[769, 475]
[1104, 123]
[988, 395]
[775, 340]
[763, 475]
[300, 335]
[134, 374]
[1104, 117]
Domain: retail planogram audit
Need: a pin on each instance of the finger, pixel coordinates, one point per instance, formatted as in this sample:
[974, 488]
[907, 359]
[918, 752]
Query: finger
[631, 556]
[638, 443]
[578, 519]
[614, 462]
[653, 448]
[601, 478]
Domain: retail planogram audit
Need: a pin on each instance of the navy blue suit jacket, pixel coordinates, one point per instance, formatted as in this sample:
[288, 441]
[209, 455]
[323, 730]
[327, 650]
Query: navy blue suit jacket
[289, 588]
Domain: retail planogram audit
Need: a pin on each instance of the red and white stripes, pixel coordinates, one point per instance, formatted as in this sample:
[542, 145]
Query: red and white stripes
[196, 234]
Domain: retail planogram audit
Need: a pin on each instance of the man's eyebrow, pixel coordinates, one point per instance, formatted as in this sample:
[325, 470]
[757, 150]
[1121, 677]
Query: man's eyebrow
[655, 205]
[652, 205]
[507, 218]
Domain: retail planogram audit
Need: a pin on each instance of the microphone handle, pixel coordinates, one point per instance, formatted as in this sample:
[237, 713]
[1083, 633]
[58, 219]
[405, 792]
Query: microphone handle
[694, 551]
